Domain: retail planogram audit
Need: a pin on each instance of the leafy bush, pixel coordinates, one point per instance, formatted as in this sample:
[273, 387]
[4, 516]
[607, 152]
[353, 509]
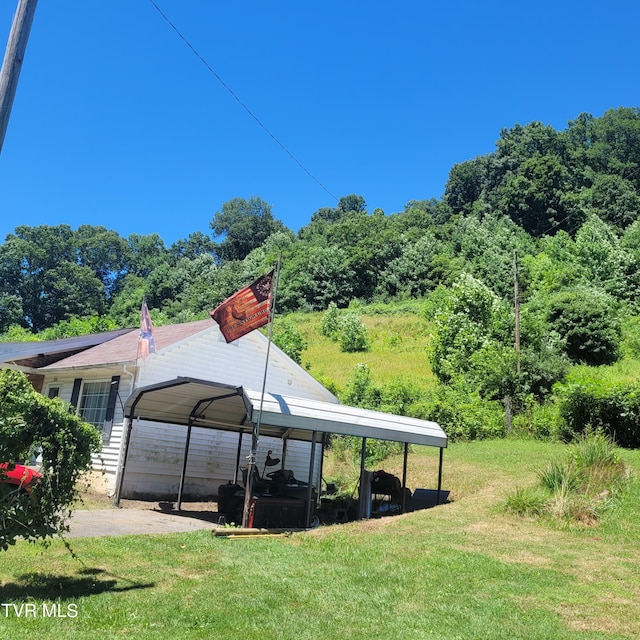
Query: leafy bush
[588, 323]
[540, 421]
[352, 335]
[290, 340]
[470, 316]
[609, 407]
[346, 328]
[330, 323]
[30, 422]
[463, 414]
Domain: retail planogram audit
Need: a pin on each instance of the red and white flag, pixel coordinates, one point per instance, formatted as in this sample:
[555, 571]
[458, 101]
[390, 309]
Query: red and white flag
[146, 343]
[245, 310]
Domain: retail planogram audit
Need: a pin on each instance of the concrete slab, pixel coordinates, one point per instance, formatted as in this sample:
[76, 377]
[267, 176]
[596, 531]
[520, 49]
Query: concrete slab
[118, 522]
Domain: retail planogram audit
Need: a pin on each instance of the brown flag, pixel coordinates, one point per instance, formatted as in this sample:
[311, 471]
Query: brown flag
[245, 310]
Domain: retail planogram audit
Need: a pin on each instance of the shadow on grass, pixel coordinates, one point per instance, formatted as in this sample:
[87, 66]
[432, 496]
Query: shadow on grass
[88, 582]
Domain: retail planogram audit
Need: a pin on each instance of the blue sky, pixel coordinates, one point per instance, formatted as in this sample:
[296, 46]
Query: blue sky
[117, 123]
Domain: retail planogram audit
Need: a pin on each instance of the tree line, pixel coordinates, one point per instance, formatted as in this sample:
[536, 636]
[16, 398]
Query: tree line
[556, 211]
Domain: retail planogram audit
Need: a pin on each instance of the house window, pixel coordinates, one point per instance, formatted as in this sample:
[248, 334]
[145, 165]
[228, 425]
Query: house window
[53, 392]
[94, 402]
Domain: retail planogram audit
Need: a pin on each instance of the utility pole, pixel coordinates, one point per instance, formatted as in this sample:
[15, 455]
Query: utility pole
[13, 57]
[516, 304]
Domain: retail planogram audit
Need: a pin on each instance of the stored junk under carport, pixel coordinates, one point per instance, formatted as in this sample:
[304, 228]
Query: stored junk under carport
[193, 403]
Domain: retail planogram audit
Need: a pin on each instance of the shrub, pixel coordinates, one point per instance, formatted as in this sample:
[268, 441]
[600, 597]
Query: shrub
[289, 339]
[587, 321]
[612, 408]
[30, 422]
[540, 421]
[330, 322]
[463, 414]
[352, 334]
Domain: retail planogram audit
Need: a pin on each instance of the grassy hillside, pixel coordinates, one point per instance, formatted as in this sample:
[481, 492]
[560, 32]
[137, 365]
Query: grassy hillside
[464, 570]
[399, 340]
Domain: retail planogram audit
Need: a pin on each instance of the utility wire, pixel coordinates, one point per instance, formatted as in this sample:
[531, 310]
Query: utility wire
[238, 100]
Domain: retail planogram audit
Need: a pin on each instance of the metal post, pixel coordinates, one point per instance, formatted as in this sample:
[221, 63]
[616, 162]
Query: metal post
[184, 466]
[403, 506]
[235, 475]
[363, 494]
[13, 58]
[251, 464]
[440, 474]
[312, 461]
[124, 453]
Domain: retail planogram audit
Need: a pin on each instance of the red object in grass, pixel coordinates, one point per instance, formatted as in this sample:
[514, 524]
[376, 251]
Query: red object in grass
[20, 476]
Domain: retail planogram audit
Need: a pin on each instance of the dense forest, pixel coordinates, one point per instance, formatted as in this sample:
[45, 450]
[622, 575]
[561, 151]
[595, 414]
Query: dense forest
[528, 266]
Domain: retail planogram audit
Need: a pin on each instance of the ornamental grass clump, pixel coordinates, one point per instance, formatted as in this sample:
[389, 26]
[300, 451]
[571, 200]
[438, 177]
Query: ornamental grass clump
[578, 488]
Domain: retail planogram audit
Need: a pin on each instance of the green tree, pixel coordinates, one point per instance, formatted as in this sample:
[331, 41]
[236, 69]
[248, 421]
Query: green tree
[587, 320]
[29, 422]
[314, 276]
[195, 245]
[466, 184]
[613, 198]
[470, 315]
[106, 253]
[147, 253]
[536, 197]
[40, 272]
[243, 225]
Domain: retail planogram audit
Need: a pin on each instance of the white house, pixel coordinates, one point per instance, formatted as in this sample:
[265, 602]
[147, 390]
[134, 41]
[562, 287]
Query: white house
[171, 445]
[98, 373]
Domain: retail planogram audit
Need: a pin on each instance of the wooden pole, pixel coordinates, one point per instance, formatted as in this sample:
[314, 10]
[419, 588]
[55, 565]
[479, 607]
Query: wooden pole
[13, 57]
[516, 304]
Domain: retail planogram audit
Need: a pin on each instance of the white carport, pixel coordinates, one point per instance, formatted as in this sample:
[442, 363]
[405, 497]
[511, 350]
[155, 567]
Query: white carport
[199, 403]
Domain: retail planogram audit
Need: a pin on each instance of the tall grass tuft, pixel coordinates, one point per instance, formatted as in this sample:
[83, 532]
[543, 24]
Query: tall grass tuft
[578, 489]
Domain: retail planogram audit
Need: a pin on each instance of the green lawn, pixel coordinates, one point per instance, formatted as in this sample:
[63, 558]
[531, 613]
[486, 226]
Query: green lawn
[462, 570]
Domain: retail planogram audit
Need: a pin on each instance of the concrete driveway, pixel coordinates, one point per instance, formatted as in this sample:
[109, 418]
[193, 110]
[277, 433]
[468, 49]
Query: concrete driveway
[128, 521]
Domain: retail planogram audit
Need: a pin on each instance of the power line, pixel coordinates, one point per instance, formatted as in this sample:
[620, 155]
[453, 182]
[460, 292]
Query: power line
[238, 100]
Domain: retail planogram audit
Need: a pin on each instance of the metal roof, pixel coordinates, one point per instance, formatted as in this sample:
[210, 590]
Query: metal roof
[201, 403]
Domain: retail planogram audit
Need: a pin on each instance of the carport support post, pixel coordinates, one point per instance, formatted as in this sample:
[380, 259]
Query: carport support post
[404, 477]
[363, 455]
[440, 474]
[235, 475]
[124, 453]
[310, 487]
[184, 465]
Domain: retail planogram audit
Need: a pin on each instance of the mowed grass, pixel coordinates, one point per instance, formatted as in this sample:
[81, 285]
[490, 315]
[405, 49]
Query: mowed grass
[461, 570]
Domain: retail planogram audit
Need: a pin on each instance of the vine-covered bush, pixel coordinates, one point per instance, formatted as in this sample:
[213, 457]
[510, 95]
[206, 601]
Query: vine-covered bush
[464, 414]
[31, 423]
[613, 408]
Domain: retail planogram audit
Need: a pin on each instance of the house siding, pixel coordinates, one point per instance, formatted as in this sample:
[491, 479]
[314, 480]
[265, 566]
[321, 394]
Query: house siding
[156, 450]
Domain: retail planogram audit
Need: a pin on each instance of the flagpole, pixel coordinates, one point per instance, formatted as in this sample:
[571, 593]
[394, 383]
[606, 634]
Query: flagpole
[251, 465]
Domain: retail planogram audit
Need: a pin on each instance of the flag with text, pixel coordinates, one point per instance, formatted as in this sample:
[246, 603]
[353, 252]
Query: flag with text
[245, 310]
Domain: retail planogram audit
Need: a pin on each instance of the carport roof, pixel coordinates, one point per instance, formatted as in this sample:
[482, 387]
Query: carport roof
[202, 403]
